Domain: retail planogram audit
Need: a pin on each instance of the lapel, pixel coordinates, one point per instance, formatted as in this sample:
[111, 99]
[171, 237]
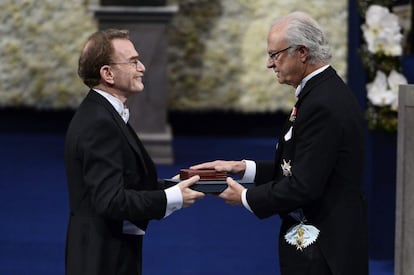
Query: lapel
[142, 152]
[287, 150]
[314, 81]
[126, 130]
[284, 150]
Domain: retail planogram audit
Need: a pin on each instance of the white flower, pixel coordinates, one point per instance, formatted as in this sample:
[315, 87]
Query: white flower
[396, 79]
[378, 93]
[39, 52]
[383, 91]
[382, 31]
[234, 74]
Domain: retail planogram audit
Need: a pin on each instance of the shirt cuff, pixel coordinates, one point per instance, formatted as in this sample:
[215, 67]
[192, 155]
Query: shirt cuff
[250, 172]
[174, 199]
[244, 200]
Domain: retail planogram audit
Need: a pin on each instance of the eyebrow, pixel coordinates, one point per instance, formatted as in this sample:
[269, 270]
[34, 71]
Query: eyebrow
[135, 57]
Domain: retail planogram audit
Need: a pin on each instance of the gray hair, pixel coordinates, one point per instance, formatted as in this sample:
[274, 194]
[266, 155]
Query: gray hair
[301, 29]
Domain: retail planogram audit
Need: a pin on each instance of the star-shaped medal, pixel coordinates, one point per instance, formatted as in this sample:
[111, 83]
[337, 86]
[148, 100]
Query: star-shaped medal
[286, 168]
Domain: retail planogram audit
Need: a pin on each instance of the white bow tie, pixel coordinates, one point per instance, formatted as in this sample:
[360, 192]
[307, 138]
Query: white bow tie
[125, 114]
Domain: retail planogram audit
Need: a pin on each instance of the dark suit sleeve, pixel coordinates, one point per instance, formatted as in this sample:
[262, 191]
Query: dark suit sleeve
[111, 172]
[317, 135]
[264, 172]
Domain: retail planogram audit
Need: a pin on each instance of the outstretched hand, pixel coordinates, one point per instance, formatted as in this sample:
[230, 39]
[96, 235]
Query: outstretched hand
[233, 193]
[190, 196]
[233, 167]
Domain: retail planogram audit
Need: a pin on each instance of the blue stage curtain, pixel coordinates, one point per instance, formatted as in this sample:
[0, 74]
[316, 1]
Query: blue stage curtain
[381, 167]
[380, 164]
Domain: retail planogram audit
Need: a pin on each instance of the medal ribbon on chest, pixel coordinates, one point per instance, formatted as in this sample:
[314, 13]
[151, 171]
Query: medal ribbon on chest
[293, 114]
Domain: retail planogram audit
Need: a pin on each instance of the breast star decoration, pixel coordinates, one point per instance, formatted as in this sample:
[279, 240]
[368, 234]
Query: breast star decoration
[286, 168]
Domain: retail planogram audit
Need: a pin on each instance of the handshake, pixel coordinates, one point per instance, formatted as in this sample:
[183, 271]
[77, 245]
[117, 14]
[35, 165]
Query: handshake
[211, 178]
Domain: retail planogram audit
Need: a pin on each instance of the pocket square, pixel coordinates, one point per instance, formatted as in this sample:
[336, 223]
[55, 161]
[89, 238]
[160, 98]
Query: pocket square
[288, 135]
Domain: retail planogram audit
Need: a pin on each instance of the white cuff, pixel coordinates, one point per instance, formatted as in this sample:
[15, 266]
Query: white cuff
[174, 199]
[244, 200]
[250, 172]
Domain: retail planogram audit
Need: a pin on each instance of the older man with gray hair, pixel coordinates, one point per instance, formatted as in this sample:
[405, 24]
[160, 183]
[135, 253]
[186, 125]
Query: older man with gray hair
[315, 181]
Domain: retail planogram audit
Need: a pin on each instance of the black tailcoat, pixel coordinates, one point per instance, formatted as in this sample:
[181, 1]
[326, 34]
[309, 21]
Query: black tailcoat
[326, 153]
[111, 178]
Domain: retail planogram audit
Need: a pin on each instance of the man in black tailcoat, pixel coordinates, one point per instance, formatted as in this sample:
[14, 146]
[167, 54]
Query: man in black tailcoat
[112, 181]
[315, 181]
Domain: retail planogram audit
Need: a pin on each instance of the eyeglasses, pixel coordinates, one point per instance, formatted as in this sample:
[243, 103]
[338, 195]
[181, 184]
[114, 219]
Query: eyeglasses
[275, 55]
[134, 62]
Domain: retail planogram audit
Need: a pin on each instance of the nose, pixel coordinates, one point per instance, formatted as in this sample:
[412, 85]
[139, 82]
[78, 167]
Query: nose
[141, 67]
[270, 63]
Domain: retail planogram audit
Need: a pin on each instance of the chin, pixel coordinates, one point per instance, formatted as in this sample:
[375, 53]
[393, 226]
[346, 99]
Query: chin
[140, 88]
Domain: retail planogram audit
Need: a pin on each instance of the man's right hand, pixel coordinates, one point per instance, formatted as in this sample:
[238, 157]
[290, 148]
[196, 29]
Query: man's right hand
[190, 196]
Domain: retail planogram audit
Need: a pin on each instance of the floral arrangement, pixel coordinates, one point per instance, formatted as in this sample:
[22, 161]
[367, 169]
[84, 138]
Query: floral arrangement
[218, 53]
[40, 43]
[381, 55]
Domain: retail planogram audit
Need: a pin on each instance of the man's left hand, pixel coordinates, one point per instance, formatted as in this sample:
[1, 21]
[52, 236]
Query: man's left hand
[232, 194]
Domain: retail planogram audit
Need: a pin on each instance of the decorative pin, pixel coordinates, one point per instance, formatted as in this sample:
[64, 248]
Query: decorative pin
[302, 235]
[293, 114]
[286, 168]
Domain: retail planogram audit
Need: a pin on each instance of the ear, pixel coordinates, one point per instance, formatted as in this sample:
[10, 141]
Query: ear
[303, 53]
[107, 74]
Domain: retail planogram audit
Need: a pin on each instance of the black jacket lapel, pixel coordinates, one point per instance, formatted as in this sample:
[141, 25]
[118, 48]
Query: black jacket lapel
[132, 140]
